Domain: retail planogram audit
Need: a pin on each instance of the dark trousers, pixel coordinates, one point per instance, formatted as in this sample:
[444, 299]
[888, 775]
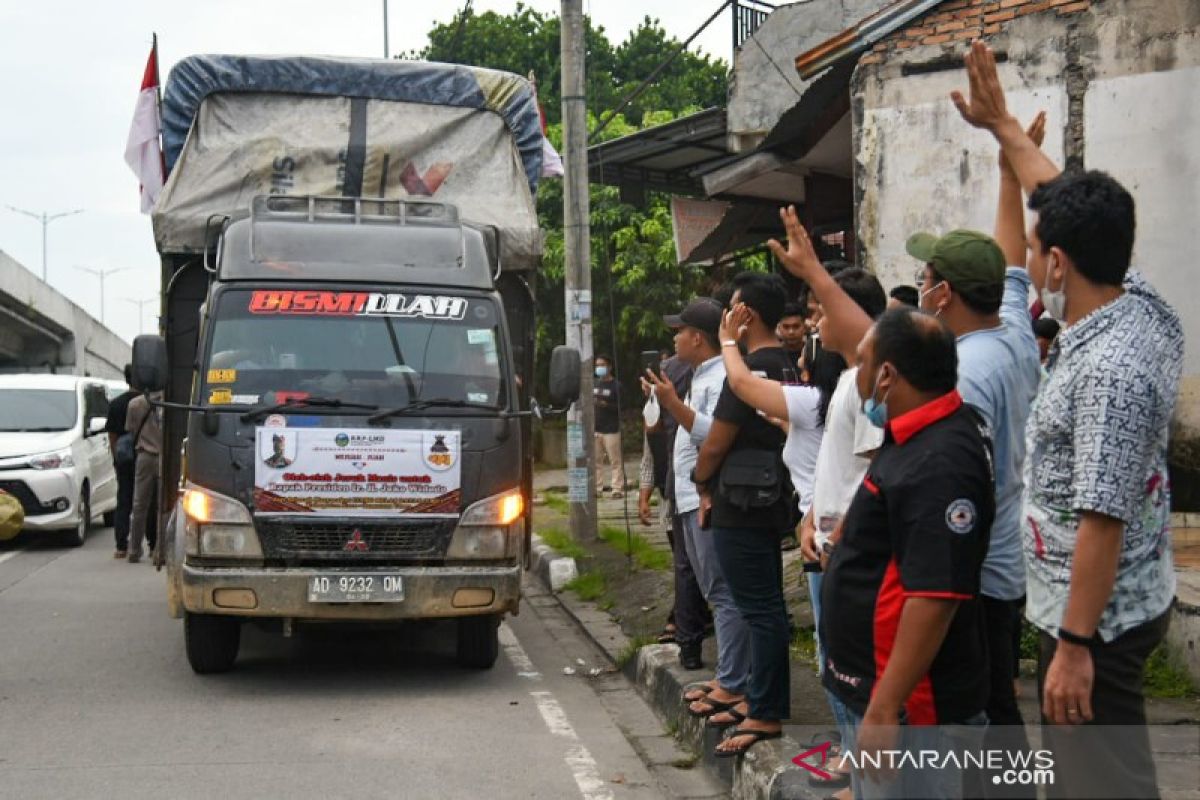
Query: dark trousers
[124, 506]
[752, 564]
[1111, 756]
[691, 613]
[1006, 728]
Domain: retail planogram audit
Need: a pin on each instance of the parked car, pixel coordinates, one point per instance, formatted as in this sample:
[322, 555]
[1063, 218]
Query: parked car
[54, 453]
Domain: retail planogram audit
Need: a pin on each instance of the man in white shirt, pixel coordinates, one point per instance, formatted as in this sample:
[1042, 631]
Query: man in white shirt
[696, 343]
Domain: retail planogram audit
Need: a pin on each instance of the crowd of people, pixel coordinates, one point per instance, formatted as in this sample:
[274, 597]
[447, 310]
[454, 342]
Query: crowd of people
[951, 459]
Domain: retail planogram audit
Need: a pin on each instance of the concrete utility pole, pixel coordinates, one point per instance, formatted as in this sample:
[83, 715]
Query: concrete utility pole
[45, 219]
[581, 462]
[102, 274]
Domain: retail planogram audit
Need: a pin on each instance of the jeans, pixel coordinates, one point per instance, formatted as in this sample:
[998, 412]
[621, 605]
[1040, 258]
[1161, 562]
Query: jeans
[1111, 757]
[125, 478]
[690, 611]
[841, 714]
[752, 564]
[944, 783]
[733, 635]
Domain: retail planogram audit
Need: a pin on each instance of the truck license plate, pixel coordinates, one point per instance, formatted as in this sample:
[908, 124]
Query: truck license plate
[351, 587]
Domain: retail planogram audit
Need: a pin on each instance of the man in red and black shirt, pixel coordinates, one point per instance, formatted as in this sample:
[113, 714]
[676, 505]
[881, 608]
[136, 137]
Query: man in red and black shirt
[906, 641]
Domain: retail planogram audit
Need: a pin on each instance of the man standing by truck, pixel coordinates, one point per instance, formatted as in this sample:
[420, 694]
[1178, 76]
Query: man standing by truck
[142, 421]
[118, 410]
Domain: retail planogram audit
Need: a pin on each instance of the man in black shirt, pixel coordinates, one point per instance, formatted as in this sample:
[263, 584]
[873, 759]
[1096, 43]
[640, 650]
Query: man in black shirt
[747, 521]
[115, 427]
[607, 392]
[905, 640]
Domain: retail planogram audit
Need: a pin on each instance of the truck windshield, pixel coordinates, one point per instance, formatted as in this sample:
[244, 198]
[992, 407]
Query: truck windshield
[386, 349]
[37, 409]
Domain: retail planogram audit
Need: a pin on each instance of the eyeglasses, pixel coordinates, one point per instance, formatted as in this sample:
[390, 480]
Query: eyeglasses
[919, 279]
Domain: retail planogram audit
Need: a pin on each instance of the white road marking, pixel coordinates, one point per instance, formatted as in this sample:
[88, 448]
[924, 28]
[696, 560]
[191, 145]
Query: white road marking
[516, 654]
[7, 556]
[583, 767]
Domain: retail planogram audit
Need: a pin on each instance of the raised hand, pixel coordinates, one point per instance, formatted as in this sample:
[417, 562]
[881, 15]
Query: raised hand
[735, 322]
[1036, 132]
[800, 259]
[986, 108]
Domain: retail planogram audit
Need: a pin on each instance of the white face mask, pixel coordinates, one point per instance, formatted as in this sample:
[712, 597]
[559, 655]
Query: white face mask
[1055, 302]
[921, 298]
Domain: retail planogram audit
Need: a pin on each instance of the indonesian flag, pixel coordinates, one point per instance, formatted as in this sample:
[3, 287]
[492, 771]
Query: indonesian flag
[142, 151]
[552, 166]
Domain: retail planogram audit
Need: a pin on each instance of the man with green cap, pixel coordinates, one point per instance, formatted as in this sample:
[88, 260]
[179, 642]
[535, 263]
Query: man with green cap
[966, 282]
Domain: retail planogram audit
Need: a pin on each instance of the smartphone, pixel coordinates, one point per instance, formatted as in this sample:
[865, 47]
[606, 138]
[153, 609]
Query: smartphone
[650, 361]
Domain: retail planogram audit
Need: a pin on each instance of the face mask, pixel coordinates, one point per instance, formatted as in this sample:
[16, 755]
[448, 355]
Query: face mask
[601, 372]
[921, 297]
[1054, 301]
[876, 410]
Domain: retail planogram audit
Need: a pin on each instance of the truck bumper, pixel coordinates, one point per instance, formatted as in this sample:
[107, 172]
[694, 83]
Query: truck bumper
[429, 592]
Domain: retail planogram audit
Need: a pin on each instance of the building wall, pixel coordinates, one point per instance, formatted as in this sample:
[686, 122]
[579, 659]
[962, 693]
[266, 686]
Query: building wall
[1120, 80]
[764, 83]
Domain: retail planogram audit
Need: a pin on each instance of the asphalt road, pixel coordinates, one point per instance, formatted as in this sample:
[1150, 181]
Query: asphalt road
[97, 700]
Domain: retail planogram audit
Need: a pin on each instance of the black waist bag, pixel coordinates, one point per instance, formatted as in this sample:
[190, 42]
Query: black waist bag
[751, 479]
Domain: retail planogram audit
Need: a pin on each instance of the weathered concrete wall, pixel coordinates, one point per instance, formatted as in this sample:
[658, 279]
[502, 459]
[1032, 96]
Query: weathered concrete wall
[1120, 80]
[765, 83]
[41, 330]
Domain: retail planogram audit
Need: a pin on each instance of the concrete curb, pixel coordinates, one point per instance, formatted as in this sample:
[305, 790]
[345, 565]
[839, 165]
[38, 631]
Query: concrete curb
[765, 773]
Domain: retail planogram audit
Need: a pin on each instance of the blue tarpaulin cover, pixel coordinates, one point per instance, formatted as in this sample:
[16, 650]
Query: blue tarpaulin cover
[196, 77]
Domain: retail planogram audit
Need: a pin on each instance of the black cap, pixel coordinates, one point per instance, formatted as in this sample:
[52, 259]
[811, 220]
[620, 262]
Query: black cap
[703, 314]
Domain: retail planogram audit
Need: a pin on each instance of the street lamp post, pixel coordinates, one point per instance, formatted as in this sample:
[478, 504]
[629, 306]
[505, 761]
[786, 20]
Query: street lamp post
[141, 305]
[45, 219]
[102, 274]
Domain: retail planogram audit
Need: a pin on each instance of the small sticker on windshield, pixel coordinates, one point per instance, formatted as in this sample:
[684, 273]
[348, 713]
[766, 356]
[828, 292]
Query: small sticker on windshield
[245, 399]
[275, 421]
[220, 397]
[222, 376]
[479, 336]
[477, 397]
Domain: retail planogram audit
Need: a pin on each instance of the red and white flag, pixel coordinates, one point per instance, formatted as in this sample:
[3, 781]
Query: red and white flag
[142, 151]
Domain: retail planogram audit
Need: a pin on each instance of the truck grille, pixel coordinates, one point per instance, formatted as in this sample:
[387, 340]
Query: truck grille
[350, 541]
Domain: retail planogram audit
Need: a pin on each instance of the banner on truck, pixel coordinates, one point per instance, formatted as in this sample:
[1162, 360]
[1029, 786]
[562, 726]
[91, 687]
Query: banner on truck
[363, 472]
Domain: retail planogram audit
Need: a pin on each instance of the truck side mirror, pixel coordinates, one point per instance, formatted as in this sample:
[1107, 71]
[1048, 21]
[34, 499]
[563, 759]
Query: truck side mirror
[565, 379]
[150, 363]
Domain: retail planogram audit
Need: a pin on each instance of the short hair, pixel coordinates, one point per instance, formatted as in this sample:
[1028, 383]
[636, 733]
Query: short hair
[920, 347]
[1045, 328]
[864, 289]
[763, 293]
[1091, 217]
[835, 265]
[794, 310]
[907, 295]
[129, 374]
[602, 357]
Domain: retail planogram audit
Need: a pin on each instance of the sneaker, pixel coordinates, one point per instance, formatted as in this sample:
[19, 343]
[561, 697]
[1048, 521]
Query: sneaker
[689, 656]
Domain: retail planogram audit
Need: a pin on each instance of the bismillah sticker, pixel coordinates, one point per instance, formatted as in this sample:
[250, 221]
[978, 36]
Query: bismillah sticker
[354, 304]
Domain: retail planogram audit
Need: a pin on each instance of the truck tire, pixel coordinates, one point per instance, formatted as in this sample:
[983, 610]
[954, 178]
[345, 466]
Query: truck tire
[478, 641]
[211, 641]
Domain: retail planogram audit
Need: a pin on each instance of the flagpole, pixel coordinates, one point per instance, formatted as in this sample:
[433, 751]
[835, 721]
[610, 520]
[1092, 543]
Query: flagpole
[158, 98]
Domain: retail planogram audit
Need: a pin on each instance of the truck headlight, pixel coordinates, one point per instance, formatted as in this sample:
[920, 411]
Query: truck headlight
[229, 541]
[486, 529]
[205, 506]
[56, 460]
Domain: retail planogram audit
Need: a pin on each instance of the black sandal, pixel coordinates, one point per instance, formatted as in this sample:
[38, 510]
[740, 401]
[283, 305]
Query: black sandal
[703, 688]
[738, 719]
[757, 736]
[714, 707]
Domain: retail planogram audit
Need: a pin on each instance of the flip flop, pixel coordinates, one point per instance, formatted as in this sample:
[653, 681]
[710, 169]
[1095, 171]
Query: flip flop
[666, 636]
[738, 719]
[714, 707]
[757, 736]
[703, 688]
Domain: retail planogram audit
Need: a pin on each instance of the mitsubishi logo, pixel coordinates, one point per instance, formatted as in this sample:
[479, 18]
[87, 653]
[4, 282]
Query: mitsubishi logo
[356, 543]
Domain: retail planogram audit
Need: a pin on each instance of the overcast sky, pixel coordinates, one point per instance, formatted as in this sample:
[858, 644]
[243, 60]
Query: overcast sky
[71, 76]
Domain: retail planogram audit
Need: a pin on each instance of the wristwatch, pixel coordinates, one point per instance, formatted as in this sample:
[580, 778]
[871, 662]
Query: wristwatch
[1074, 638]
[729, 343]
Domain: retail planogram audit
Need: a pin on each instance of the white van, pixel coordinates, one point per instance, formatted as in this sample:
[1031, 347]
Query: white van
[54, 453]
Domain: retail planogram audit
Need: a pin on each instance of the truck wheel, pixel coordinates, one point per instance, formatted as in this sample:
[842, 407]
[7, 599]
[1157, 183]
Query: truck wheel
[212, 642]
[478, 641]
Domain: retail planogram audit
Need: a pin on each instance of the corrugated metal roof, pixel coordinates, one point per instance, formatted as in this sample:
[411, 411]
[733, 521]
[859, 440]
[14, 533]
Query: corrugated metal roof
[862, 35]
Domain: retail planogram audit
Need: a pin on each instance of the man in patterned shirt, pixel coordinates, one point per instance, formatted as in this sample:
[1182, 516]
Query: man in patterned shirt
[1097, 501]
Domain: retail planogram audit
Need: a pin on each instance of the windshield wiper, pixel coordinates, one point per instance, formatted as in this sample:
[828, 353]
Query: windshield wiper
[433, 402]
[303, 402]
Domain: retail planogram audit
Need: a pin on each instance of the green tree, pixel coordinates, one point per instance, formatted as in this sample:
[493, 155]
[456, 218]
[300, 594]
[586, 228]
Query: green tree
[635, 277]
